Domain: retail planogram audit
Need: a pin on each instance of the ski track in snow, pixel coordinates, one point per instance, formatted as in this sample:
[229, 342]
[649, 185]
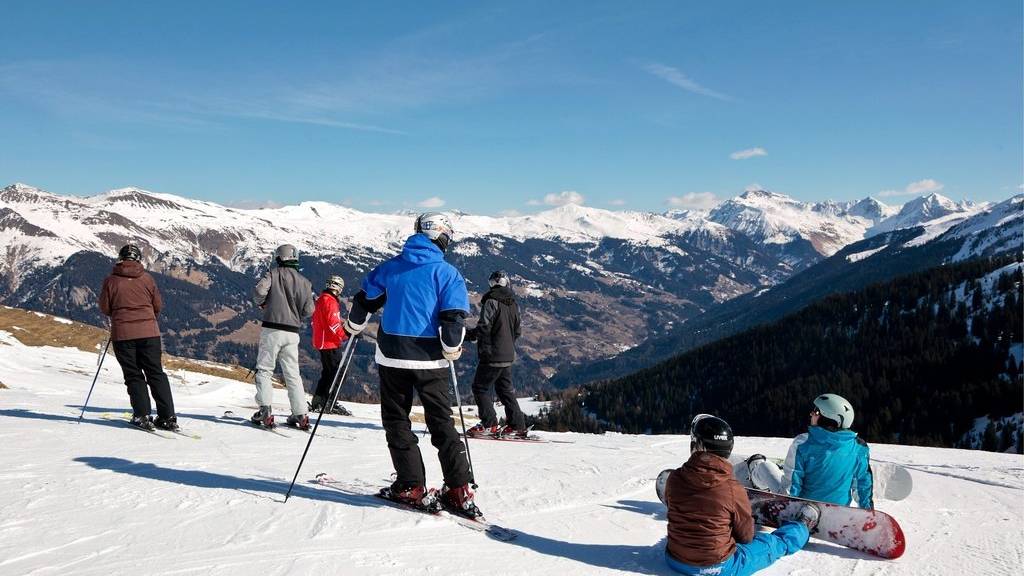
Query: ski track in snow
[98, 498]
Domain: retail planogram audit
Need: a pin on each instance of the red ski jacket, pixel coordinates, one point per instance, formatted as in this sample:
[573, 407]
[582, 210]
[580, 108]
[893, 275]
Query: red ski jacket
[327, 331]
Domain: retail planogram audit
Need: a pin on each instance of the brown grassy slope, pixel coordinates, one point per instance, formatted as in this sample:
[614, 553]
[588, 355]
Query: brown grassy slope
[36, 329]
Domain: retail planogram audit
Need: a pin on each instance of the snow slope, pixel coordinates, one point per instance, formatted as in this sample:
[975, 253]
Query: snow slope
[98, 498]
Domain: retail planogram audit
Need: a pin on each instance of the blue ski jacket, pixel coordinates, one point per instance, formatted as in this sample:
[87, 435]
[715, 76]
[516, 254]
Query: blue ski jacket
[828, 464]
[420, 294]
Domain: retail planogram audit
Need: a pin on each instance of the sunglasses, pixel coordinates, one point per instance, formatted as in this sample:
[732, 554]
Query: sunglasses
[815, 411]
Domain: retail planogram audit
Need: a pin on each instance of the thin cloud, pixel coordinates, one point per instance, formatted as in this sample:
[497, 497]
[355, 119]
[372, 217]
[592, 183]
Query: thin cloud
[563, 198]
[676, 77]
[617, 202]
[748, 153]
[693, 201]
[432, 202]
[510, 213]
[917, 188]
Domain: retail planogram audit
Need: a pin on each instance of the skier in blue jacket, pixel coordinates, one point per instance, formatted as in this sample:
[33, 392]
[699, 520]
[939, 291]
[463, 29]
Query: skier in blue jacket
[425, 303]
[833, 458]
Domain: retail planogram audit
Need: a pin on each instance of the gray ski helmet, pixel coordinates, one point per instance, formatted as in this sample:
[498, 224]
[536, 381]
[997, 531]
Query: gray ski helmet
[336, 284]
[286, 253]
[437, 227]
[129, 252]
[711, 434]
[498, 278]
[835, 408]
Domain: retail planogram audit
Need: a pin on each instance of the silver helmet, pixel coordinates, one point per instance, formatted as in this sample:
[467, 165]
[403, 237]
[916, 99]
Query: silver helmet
[336, 284]
[437, 227]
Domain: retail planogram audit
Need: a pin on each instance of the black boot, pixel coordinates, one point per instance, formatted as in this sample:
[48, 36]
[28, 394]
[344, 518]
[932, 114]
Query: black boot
[143, 422]
[169, 423]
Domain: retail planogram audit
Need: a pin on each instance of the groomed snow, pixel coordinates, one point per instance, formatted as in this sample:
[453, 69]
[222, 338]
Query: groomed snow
[98, 498]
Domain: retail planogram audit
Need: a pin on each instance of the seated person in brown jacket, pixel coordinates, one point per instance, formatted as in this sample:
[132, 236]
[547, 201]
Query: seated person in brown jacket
[710, 526]
[132, 301]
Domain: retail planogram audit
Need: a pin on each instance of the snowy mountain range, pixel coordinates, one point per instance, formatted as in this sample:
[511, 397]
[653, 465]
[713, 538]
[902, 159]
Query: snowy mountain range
[618, 277]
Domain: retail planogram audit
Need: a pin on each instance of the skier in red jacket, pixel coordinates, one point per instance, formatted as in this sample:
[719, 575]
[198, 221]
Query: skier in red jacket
[328, 336]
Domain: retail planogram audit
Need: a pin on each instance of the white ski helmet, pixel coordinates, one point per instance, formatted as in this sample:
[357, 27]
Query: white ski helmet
[336, 284]
[835, 408]
[437, 227]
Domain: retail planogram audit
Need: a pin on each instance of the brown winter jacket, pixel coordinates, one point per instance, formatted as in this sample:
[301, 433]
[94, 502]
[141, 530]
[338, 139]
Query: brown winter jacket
[132, 301]
[708, 511]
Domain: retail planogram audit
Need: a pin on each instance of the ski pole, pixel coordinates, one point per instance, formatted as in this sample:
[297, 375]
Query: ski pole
[455, 385]
[339, 377]
[99, 367]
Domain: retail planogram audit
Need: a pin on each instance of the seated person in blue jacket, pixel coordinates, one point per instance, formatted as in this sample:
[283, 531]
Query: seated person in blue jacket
[829, 463]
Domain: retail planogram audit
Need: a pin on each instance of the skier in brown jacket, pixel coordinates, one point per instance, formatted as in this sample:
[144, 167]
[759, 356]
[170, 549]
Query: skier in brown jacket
[131, 299]
[710, 525]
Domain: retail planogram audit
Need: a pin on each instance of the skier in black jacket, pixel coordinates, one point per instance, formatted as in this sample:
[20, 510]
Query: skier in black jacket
[495, 334]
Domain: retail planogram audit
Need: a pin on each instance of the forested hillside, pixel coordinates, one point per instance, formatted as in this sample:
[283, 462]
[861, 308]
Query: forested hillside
[919, 357]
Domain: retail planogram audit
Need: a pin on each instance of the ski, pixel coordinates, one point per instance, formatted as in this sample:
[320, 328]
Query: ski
[232, 417]
[531, 438]
[159, 432]
[478, 524]
[127, 422]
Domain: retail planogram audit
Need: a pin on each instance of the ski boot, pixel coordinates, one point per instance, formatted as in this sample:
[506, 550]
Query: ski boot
[318, 403]
[511, 432]
[170, 423]
[300, 422]
[809, 516]
[418, 497]
[480, 431]
[459, 501]
[143, 422]
[263, 417]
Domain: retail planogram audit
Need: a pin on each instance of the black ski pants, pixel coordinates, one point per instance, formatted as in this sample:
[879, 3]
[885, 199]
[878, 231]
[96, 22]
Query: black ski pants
[140, 363]
[396, 393]
[501, 379]
[329, 362]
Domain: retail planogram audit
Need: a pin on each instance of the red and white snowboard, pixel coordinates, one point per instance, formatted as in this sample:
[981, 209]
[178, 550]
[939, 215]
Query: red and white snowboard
[870, 531]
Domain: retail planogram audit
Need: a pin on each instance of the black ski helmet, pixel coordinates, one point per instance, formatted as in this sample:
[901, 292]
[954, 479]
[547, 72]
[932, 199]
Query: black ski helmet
[498, 278]
[129, 252]
[711, 434]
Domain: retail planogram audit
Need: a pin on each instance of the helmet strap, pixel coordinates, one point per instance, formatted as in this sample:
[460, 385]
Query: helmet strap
[442, 242]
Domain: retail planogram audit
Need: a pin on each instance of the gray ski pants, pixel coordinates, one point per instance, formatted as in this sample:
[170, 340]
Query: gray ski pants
[279, 346]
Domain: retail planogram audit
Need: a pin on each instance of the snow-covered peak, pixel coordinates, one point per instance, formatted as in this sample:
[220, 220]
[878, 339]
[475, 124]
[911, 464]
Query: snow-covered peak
[779, 219]
[920, 211]
[19, 193]
[872, 209]
[931, 206]
[991, 230]
[752, 195]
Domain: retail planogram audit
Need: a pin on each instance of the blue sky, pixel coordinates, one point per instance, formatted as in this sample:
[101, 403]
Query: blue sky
[513, 106]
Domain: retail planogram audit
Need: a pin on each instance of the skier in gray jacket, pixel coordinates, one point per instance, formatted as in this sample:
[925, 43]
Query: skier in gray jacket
[287, 300]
